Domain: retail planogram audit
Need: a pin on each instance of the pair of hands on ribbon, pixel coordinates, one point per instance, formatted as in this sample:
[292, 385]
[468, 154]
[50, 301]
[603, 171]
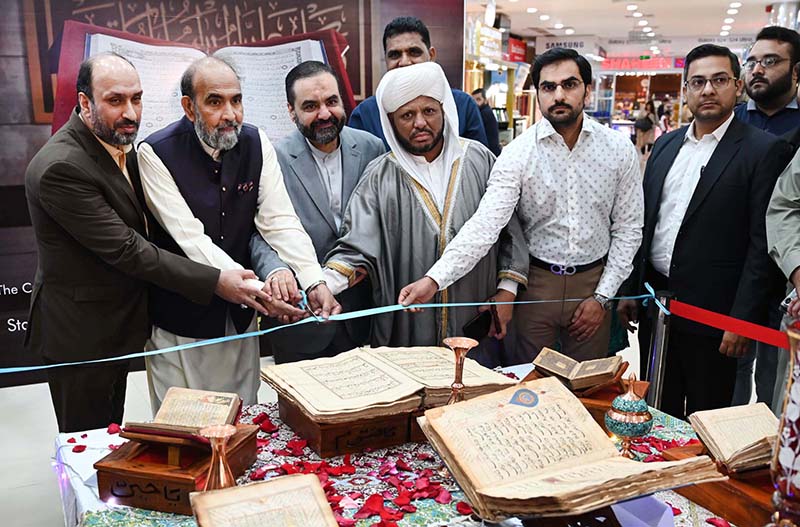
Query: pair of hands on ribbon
[732, 345]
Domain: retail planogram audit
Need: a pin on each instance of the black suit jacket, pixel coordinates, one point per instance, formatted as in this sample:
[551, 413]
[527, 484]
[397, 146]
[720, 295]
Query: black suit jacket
[89, 296]
[720, 259]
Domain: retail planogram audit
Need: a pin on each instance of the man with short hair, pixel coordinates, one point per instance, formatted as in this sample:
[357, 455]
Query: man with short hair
[706, 192]
[489, 121]
[211, 182]
[771, 76]
[322, 162]
[409, 205]
[577, 188]
[770, 79]
[89, 296]
[406, 41]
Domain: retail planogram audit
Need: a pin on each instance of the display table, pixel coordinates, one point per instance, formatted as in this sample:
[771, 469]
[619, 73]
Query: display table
[349, 480]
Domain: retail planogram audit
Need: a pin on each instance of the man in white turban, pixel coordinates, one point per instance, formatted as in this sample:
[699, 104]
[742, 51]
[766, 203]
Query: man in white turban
[410, 203]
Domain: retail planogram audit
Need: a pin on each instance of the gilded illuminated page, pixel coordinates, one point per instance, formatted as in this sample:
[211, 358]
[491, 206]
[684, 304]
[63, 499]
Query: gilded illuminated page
[434, 367]
[351, 380]
[555, 363]
[196, 408]
[510, 435]
[292, 501]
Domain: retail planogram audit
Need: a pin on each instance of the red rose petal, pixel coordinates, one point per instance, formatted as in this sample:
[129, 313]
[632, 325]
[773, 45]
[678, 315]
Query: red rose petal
[267, 426]
[675, 510]
[296, 446]
[391, 514]
[78, 448]
[464, 508]
[422, 483]
[344, 522]
[444, 496]
[113, 428]
[372, 506]
[113, 447]
[402, 465]
[84, 436]
[72, 440]
[258, 474]
[257, 420]
[718, 522]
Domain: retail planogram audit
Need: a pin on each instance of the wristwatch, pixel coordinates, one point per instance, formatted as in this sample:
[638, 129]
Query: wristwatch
[604, 302]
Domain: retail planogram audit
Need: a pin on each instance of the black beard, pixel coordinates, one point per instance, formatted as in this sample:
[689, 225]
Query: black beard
[110, 135]
[325, 136]
[563, 120]
[773, 90]
[419, 150]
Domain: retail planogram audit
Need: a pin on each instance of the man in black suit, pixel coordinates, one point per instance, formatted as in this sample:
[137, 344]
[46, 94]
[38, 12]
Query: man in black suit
[706, 191]
[89, 296]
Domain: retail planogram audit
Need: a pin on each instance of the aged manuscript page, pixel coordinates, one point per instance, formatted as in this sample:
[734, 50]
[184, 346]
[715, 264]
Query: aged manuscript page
[291, 501]
[732, 429]
[434, 367]
[498, 442]
[196, 408]
[351, 380]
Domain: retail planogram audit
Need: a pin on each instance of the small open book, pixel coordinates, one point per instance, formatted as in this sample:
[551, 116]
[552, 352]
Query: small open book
[289, 501]
[534, 450]
[185, 412]
[739, 437]
[576, 375]
[364, 383]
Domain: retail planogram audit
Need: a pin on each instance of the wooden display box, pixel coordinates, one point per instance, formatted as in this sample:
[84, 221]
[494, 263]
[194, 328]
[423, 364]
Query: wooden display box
[329, 440]
[745, 499]
[138, 474]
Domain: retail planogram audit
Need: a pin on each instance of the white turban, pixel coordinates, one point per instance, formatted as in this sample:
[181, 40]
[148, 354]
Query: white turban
[401, 86]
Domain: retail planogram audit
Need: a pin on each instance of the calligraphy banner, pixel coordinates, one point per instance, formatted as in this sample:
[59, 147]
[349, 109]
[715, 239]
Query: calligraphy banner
[204, 24]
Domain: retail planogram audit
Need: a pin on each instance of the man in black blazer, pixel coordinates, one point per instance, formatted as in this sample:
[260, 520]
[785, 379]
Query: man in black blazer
[89, 297]
[706, 191]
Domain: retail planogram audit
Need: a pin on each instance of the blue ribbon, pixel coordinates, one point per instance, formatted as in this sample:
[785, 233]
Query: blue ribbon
[303, 304]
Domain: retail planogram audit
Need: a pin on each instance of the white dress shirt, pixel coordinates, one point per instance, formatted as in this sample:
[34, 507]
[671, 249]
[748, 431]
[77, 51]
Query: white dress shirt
[679, 186]
[576, 206]
[275, 218]
[329, 168]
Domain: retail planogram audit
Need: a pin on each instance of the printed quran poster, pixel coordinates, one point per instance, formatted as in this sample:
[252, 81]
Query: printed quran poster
[262, 71]
[289, 501]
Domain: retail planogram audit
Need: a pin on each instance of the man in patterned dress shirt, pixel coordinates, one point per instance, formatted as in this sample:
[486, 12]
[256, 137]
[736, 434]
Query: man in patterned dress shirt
[578, 189]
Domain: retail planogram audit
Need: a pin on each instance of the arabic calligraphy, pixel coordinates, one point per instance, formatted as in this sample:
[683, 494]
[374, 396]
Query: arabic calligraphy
[124, 490]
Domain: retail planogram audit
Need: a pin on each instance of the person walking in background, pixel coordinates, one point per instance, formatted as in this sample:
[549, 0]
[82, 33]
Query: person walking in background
[490, 125]
[646, 125]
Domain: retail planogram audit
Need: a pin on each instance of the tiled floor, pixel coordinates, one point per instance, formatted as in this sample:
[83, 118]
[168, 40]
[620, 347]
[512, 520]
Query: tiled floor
[29, 495]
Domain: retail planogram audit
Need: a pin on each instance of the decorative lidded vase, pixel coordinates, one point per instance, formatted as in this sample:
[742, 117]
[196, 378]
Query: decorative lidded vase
[629, 417]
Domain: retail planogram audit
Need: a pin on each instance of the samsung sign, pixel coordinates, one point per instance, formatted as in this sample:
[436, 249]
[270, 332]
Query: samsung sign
[579, 44]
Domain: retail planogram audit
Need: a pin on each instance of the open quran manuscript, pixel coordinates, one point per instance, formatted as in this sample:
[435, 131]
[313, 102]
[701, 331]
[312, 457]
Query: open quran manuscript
[576, 375]
[534, 450]
[186, 412]
[364, 382]
[739, 437]
[290, 501]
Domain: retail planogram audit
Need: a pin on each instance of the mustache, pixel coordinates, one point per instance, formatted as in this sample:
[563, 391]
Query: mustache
[419, 131]
[320, 122]
[559, 105]
[126, 122]
[759, 79]
[228, 124]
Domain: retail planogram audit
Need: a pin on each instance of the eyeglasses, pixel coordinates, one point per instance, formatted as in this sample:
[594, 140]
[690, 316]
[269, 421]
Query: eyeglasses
[766, 63]
[567, 85]
[697, 84]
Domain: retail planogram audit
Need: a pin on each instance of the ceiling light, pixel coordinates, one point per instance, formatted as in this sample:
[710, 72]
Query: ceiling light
[544, 18]
[647, 29]
[569, 31]
[656, 52]
[513, 0]
[728, 21]
[642, 22]
[632, 7]
[531, 10]
[732, 11]
[726, 28]
[736, 5]
[559, 25]
[637, 14]
[653, 48]
[723, 33]
[651, 34]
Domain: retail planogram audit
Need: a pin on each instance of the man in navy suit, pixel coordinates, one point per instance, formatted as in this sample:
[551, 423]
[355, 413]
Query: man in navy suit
[407, 41]
[706, 190]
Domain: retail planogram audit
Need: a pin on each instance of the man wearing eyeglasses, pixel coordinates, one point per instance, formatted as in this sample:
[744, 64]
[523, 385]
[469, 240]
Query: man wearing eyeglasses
[770, 79]
[576, 186]
[706, 189]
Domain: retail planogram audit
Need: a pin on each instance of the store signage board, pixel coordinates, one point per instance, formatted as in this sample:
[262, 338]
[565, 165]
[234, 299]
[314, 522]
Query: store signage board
[637, 63]
[490, 43]
[677, 46]
[516, 50]
[582, 45]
